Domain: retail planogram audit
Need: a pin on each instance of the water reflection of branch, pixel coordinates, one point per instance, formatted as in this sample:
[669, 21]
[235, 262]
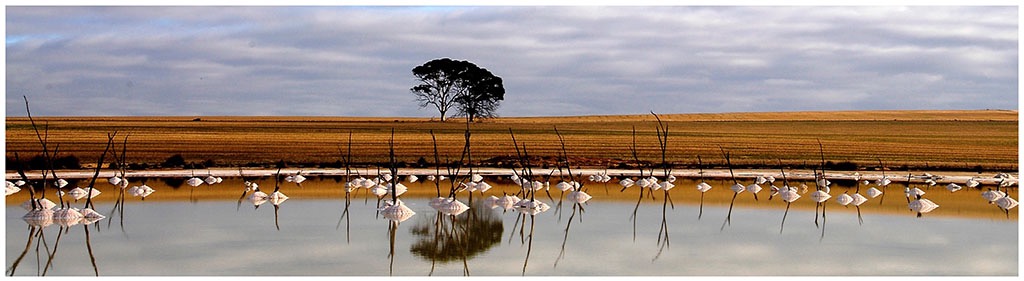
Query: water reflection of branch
[521, 226]
[276, 198]
[248, 186]
[88, 246]
[665, 186]
[51, 255]
[349, 186]
[858, 199]
[121, 183]
[345, 216]
[663, 243]
[528, 205]
[39, 217]
[787, 194]
[437, 241]
[46, 246]
[703, 187]
[276, 209]
[577, 195]
[565, 238]
[639, 165]
[529, 243]
[883, 182]
[33, 231]
[736, 188]
[461, 238]
[392, 228]
[821, 195]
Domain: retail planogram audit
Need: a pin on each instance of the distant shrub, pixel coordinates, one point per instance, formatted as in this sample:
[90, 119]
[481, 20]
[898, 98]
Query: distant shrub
[37, 163]
[13, 165]
[335, 164]
[841, 166]
[174, 161]
[67, 162]
[138, 166]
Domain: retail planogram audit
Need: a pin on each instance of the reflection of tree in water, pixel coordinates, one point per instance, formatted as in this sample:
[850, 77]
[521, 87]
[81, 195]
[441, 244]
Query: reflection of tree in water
[469, 234]
[173, 182]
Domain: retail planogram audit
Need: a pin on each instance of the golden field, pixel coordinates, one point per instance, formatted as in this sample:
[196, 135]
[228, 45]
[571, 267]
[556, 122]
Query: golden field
[927, 140]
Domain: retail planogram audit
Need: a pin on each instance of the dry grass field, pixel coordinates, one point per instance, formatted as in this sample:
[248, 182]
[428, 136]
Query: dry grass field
[934, 140]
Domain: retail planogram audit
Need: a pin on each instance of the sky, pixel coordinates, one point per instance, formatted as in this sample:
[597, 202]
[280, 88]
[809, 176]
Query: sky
[554, 60]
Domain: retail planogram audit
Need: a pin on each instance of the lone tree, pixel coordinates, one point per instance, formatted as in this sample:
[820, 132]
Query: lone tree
[484, 96]
[474, 91]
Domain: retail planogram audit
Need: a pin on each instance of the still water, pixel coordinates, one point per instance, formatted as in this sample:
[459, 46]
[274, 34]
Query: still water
[316, 235]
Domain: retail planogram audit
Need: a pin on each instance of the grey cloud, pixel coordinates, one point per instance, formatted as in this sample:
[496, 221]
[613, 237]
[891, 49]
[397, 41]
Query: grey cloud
[554, 60]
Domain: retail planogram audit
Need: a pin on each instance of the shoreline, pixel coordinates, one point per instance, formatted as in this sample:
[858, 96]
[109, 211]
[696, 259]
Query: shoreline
[740, 174]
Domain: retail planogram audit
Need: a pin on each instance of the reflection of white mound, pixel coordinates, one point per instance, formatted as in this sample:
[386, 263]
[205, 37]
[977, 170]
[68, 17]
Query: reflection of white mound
[665, 185]
[922, 205]
[258, 198]
[858, 199]
[92, 214]
[436, 202]
[529, 207]
[507, 202]
[753, 188]
[39, 218]
[194, 182]
[277, 198]
[295, 178]
[12, 188]
[952, 187]
[788, 194]
[1006, 202]
[399, 189]
[993, 195]
[578, 197]
[490, 202]
[396, 212]
[874, 192]
[844, 199]
[141, 191]
[67, 222]
[820, 196]
[738, 188]
[78, 193]
[67, 214]
[88, 221]
[379, 191]
[450, 206]
[703, 187]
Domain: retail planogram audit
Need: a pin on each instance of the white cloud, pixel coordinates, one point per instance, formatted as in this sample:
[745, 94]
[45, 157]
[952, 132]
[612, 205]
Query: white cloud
[357, 60]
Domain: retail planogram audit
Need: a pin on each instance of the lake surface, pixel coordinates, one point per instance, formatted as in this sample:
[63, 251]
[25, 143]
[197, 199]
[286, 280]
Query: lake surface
[209, 233]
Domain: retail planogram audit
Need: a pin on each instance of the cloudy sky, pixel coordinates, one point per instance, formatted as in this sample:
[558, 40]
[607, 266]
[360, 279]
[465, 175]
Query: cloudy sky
[357, 61]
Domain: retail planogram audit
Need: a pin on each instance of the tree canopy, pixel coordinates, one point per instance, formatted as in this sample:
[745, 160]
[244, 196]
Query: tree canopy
[474, 91]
